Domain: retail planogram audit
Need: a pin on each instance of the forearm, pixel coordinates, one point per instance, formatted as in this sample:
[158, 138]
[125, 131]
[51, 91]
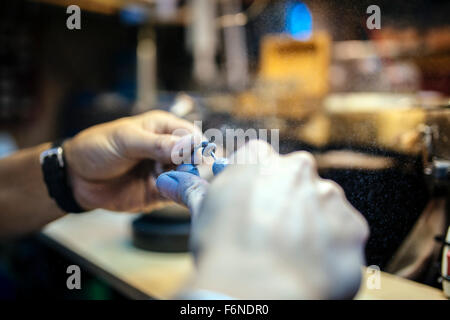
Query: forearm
[25, 205]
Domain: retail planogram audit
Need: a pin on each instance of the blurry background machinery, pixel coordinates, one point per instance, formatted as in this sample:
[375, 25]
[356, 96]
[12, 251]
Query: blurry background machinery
[291, 80]
[18, 88]
[437, 170]
[367, 103]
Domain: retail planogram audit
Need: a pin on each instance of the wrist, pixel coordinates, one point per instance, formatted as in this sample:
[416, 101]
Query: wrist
[251, 276]
[200, 294]
[68, 157]
[57, 178]
[74, 180]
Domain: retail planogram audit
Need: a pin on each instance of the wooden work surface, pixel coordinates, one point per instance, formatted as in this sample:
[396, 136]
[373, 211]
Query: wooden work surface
[101, 243]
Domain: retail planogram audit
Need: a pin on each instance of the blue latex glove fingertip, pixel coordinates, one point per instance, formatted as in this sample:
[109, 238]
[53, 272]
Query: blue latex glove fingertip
[167, 185]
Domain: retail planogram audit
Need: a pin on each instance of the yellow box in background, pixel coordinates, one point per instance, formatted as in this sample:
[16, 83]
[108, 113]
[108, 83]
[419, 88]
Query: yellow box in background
[303, 65]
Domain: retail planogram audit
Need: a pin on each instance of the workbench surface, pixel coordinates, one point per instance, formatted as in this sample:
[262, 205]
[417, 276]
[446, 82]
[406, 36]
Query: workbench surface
[100, 242]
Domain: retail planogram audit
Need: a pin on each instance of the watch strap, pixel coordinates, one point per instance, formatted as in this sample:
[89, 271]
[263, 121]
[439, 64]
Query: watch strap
[54, 170]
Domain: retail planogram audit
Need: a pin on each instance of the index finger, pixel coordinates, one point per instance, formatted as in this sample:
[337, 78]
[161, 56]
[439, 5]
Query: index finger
[163, 122]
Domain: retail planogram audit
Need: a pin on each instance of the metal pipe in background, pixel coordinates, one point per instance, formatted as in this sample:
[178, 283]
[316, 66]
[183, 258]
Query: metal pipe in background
[146, 71]
[204, 40]
[235, 46]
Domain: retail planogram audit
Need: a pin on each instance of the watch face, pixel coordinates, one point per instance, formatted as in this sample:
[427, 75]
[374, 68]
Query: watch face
[58, 152]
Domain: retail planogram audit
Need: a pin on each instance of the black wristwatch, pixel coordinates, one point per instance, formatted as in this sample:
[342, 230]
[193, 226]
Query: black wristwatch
[55, 176]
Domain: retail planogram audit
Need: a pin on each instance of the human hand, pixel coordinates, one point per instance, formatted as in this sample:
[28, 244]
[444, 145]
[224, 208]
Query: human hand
[114, 165]
[271, 229]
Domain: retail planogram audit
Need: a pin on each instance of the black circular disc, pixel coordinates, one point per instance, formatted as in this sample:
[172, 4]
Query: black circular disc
[164, 230]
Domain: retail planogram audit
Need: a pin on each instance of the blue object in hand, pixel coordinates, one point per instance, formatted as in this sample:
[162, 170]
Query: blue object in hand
[219, 165]
[189, 168]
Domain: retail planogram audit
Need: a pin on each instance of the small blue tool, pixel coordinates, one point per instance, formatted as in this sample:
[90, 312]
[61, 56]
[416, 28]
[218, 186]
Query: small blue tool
[208, 150]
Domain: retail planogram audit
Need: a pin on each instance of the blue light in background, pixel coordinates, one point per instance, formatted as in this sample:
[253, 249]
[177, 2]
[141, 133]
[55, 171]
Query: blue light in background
[133, 14]
[298, 20]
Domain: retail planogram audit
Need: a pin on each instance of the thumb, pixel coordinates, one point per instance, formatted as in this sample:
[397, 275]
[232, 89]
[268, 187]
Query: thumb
[184, 188]
[158, 147]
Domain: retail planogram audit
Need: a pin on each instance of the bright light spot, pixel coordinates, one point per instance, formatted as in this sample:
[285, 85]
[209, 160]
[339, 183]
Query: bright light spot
[298, 20]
